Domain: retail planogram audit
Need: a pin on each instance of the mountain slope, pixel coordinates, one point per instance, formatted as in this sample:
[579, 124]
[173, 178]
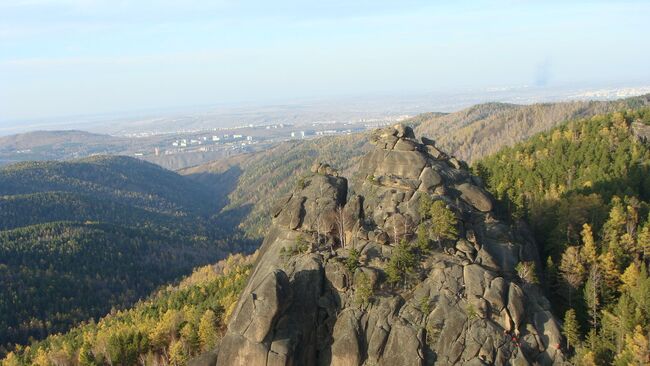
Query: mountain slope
[128, 180]
[254, 180]
[80, 237]
[584, 187]
[484, 129]
[173, 324]
[616, 142]
[55, 145]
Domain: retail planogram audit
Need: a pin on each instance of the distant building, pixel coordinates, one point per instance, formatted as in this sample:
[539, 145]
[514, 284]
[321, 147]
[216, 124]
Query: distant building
[215, 138]
[237, 136]
[249, 138]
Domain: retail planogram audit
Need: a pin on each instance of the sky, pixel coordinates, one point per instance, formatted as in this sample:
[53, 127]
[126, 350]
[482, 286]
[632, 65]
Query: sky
[76, 57]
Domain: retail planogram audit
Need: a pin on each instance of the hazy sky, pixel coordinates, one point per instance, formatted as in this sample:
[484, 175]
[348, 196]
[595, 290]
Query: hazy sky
[69, 57]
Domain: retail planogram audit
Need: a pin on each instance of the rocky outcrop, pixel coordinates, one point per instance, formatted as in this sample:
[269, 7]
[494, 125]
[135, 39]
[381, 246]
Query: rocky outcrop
[313, 300]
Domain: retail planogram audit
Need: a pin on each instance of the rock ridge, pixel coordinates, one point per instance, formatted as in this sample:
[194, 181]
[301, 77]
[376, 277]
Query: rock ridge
[319, 293]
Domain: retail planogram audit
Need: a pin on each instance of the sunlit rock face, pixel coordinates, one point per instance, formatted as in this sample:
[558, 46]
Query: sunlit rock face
[463, 304]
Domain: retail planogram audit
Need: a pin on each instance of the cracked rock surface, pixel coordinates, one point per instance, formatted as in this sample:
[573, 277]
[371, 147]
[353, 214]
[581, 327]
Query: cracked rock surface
[466, 305]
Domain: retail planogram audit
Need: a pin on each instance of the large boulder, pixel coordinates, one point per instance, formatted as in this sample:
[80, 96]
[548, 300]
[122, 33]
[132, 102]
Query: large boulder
[475, 196]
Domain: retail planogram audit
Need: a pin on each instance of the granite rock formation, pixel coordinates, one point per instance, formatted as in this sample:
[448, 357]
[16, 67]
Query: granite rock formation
[465, 305]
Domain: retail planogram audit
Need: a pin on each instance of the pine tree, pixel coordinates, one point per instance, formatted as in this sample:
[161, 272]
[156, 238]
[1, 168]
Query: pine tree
[424, 207]
[643, 240]
[591, 292]
[611, 277]
[422, 240]
[637, 349]
[190, 336]
[571, 329]
[527, 272]
[443, 222]
[613, 230]
[363, 290]
[572, 269]
[11, 360]
[86, 356]
[208, 330]
[402, 263]
[177, 354]
[630, 278]
[588, 251]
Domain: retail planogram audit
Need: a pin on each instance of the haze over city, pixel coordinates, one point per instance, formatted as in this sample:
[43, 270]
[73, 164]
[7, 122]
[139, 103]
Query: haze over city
[85, 57]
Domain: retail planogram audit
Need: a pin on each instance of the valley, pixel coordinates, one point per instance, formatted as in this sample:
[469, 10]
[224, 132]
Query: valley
[137, 227]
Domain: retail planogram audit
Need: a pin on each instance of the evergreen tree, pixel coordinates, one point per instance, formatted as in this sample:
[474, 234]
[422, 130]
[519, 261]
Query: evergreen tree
[572, 269]
[571, 329]
[402, 263]
[86, 356]
[588, 251]
[613, 231]
[610, 275]
[177, 354]
[363, 290]
[207, 330]
[443, 222]
[637, 349]
[591, 292]
[190, 338]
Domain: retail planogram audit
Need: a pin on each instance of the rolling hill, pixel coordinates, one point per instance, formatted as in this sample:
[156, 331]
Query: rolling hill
[57, 145]
[250, 183]
[80, 237]
[533, 181]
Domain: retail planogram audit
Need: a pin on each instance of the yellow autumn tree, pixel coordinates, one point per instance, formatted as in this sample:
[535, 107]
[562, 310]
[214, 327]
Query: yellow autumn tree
[611, 275]
[588, 251]
[637, 349]
[208, 330]
[629, 278]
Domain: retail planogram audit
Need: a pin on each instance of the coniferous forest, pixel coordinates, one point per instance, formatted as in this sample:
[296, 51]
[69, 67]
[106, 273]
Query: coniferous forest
[80, 238]
[584, 189]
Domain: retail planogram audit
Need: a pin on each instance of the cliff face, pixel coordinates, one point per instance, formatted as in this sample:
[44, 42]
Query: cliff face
[319, 293]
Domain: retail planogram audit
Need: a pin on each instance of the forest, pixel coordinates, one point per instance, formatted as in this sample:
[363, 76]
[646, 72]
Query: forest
[80, 238]
[584, 189]
[170, 327]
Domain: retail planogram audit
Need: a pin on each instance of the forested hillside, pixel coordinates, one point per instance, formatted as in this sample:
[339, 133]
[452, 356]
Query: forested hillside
[175, 324]
[55, 145]
[78, 238]
[484, 129]
[250, 183]
[253, 182]
[584, 188]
